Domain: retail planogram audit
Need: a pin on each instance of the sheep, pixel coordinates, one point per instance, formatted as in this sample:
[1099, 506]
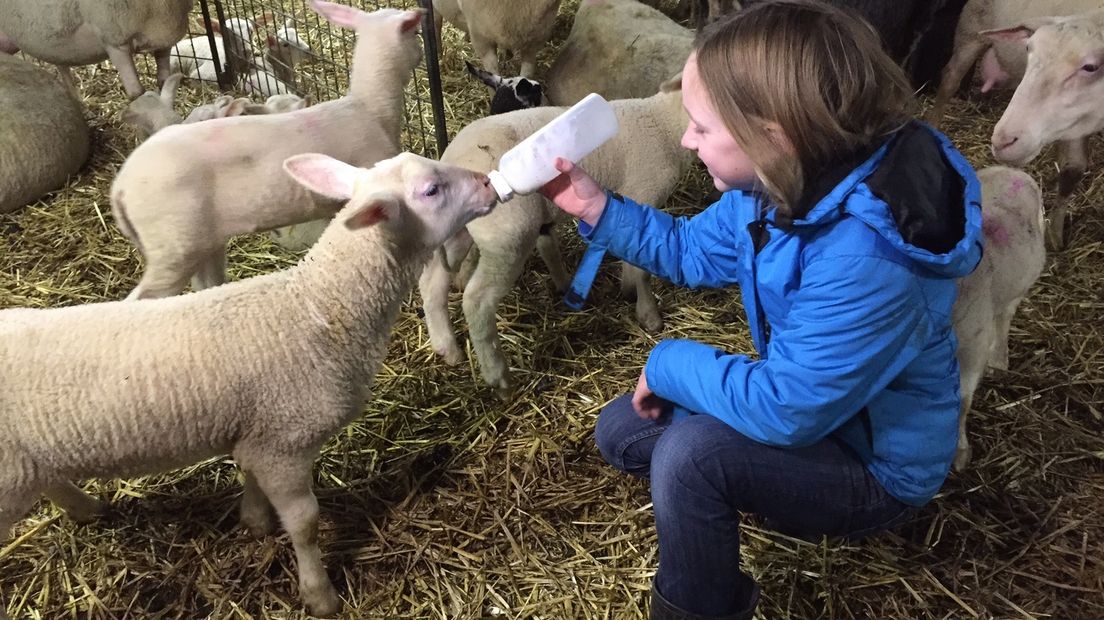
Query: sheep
[274, 72]
[448, 10]
[620, 49]
[516, 93]
[153, 112]
[82, 32]
[520, 25]
[1002, 62]
[193, 56]
[149, 386]
[649, 137]
[1058, 100]
[43, 134]
[987, 298]
[189, 189]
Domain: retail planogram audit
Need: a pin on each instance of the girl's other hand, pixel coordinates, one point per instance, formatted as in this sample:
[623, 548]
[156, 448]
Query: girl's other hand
[576, 192]
[647, 405]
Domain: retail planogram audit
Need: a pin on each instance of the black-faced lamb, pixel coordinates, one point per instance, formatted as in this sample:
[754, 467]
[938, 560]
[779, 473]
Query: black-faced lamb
[150, 386]
[1014, 258]
[70, 33]
[43, 134]
[509, 94]
[184, 192]
[649, 137]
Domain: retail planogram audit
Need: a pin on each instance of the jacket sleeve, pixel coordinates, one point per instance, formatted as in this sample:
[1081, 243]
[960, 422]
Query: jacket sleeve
[697, 252]
[856, 323]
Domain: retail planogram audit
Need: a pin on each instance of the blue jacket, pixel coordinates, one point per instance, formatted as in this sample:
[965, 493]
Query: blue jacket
[849, 307]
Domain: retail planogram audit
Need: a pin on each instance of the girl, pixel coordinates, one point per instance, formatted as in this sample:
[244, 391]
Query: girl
[845, 224]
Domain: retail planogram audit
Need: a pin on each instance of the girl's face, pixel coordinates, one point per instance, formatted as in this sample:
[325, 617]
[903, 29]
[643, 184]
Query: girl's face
[707, 136]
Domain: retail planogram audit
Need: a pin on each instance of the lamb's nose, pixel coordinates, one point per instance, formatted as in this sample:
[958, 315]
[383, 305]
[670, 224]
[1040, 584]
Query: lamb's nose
[484, 179]
[1003, 141]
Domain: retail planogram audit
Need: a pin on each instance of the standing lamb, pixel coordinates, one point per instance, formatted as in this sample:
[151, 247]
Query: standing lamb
[520, 25]
[183, 193]
[70, 33]
[620, 49]
[149, 386]
[987, 298]
[43, 134]
[649, 138]
[1058, 100]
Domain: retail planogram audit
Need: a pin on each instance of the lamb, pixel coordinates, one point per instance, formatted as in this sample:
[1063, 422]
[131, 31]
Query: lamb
[193, 56]
[274, 72]
[448, 10]
[516, 93]
[650, 133]
[1058, 100]
[620, 49]
[1002, 62]
[184, 192]
[150, 387]
[987, 298]
[153, 112]
[80, 32]
[39, 150]
[520, 25]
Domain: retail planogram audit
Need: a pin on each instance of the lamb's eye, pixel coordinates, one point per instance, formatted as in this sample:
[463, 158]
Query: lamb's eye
[1090, 67]
[432, 190]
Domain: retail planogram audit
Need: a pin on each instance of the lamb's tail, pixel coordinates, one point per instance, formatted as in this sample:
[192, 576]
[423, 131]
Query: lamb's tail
[118, 209]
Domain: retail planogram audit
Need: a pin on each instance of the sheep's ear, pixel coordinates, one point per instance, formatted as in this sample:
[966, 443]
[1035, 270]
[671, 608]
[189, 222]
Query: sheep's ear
[377, 209]
[672, 84]
[237, 107]
[323, 174]
[338, 14]
[1020, 32]
[488, 78]
[411, 20]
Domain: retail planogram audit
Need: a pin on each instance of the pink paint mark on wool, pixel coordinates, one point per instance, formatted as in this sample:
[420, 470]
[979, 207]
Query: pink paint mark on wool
[995, 232]
[1017, 186]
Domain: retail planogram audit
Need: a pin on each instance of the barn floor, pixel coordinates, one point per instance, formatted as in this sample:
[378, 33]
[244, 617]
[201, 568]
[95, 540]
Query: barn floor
[445, 502]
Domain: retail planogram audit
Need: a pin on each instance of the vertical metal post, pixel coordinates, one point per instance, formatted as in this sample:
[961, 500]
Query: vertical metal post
[223, 82]
[226, 78]
[433, 69]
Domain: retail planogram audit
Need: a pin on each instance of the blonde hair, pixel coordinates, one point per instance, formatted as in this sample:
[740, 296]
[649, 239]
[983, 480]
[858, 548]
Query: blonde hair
[818, 72]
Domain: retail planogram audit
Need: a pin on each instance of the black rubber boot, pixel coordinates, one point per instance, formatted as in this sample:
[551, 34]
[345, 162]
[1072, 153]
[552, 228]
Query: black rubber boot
[662, 609]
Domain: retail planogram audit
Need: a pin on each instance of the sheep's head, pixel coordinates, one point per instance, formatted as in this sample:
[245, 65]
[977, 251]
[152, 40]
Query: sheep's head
[515, 93]
[1059, 97]
[421, 199]
[381, 34]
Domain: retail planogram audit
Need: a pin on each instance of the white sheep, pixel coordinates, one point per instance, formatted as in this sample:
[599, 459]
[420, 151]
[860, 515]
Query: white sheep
[520, 25]
[649, 138]
[193, 56]
[1058, 100]
[1014, 257]
[273, 72]
[620, 49]
[137, 388]
[43, 134]
[448, 10]
[184, 192]
[70, 33]
[153, 112]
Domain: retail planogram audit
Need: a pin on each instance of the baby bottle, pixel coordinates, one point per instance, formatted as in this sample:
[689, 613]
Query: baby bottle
[572, 135]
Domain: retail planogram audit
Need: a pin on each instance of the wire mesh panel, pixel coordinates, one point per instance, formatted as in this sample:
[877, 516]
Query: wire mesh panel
[267, 47]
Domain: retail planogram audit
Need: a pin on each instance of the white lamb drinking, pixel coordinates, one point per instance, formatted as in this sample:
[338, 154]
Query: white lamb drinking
[265, 369]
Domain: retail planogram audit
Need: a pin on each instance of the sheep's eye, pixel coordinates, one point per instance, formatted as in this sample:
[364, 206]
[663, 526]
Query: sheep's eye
[432, 190]
[1090, 67]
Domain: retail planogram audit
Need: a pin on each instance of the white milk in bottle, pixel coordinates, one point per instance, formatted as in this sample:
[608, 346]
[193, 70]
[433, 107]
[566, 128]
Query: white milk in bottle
[572, 135]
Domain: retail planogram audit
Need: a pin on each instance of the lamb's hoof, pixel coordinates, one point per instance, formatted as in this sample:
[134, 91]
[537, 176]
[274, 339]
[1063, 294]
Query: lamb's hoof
[651, 322]
[89, 512]
[962, 458]
[1057, 235]
[259, 526]
[453, 356]
[323, 602]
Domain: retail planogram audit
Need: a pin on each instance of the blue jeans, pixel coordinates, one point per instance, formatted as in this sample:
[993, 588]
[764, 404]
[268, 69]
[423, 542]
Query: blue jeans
[704, 474]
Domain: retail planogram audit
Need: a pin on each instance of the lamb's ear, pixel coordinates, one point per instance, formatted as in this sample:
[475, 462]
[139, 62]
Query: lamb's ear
[1020, 32]
[338, 14]
[672, 84]
[488, 78]
[323, 174]
[237, 107]
[411, 20]
[378, 208]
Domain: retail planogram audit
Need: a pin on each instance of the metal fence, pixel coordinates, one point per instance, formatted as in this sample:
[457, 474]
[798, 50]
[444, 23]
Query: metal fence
[264, 47]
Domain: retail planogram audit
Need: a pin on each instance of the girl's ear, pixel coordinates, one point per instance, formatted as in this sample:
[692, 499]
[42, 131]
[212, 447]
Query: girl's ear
[323, 174]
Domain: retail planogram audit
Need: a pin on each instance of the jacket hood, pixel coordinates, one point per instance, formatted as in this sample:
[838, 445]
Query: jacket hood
[916, 190]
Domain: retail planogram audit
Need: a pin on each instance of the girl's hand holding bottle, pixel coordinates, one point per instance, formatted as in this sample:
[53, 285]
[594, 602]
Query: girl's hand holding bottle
[576, 192]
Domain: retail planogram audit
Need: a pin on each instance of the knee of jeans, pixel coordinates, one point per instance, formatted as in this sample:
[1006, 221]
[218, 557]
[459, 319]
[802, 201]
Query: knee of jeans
[682, 457]
[609, 432]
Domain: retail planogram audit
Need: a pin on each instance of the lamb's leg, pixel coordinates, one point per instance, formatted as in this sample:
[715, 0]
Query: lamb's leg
[972, 357]
[65, 74]
[486, 50]
[498, 269]
[528, 58]
[548, 246]
[14, 503]
[257, 513]
[123, 59]
[967, 50]
[160, 282]
[467, 268]
[1073, 162]
[636, 284]
[287, 484]
[433, 285]
[211, 272]
[163, 70]
[1003, 324]
[80, 506]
